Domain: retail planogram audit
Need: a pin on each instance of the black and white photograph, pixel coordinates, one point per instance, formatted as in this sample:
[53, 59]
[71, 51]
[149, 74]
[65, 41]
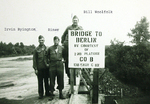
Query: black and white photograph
[74, 52]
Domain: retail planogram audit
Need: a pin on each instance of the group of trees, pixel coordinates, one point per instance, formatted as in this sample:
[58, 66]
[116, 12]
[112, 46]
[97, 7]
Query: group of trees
[131, 64]
[15, 49]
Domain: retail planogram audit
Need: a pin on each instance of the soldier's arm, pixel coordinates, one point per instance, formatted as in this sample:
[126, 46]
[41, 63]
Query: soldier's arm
[46, 58]
[63, 53]
[64, 35]
[48, 55]
[35, 60]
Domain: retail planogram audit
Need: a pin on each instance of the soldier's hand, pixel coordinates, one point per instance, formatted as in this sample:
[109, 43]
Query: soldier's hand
[36, 72]
[63, 61]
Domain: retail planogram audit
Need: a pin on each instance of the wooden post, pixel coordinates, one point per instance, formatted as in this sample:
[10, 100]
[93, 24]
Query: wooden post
[95, 86]
[72, 80]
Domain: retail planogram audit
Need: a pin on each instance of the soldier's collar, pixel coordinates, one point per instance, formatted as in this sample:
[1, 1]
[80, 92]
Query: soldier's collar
[39, 47]
[74, 25]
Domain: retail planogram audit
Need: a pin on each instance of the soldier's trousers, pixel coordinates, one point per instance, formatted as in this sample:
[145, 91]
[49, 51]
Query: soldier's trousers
[59, 73]
[43, 74]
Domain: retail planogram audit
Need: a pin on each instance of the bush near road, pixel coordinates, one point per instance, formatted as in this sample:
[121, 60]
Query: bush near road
[131, 64]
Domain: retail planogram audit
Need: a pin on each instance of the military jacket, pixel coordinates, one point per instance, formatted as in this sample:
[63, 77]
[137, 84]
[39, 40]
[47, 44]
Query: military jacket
[55, 58]
[39, 58]
[65, 34]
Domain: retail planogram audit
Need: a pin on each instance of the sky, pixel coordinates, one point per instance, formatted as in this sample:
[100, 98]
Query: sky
[44, 14]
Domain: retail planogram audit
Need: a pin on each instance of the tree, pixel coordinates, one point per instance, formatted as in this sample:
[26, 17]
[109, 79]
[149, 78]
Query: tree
[21, 45]
[17, 44]
[140, 33]
[9, 49]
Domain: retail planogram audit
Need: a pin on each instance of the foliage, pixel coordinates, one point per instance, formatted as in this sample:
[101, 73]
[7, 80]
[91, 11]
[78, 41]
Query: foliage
[16, 49]
[140, 33]
[131, 64]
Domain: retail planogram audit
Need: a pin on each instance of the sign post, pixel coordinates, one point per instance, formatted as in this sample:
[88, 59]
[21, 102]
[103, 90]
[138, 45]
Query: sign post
[95, 86]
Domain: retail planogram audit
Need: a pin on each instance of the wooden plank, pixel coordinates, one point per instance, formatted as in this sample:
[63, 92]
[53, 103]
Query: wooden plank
[86, 70]
[71, 99]
[84, 82]
[87, 78]
[80, 99]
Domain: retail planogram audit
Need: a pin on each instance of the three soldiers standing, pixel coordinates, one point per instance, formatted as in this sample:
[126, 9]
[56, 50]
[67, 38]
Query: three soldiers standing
[47, 63]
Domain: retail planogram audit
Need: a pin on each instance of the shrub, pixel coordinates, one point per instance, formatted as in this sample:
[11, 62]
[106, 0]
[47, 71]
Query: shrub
[130, 64]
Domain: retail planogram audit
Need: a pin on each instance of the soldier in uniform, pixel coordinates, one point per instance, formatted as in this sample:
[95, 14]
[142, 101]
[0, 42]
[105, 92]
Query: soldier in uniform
[64, 41]
[56, 68]
[40, 66]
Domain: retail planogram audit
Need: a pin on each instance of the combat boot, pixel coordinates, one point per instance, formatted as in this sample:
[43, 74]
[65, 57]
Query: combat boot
[61, 95]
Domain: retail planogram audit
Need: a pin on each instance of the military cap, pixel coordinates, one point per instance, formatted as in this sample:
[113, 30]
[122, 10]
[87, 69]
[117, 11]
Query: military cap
[75, 17]
[56, 37]
[40, 37]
